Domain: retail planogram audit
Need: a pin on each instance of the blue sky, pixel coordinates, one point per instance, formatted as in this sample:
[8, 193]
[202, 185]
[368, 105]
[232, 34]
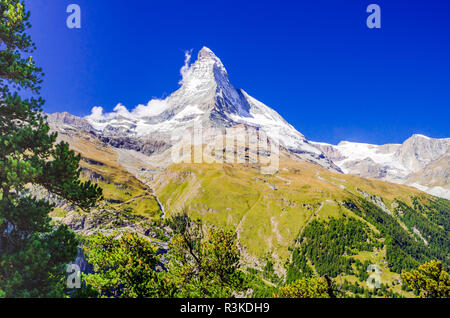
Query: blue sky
[315, 61]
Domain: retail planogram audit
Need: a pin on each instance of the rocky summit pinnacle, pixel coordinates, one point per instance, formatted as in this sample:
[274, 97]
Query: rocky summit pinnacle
[206, 54]
[208, 98]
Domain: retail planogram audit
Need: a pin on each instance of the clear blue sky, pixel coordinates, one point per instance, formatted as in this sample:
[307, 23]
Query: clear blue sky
[314, 61]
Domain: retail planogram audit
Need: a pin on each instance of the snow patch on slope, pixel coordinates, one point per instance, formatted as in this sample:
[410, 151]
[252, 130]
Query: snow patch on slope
[436, 191]
[273, 125]
[353, 151]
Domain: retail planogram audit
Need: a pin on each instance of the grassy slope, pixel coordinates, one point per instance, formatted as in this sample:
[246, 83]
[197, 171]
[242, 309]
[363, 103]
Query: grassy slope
[122, 190]
[269, 211]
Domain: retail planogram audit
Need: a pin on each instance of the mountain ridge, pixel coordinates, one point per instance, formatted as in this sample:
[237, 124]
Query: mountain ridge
[397, 163]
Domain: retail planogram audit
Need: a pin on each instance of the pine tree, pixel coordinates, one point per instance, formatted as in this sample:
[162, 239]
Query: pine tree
[33, 251]
[430, 280]
[204, 261]
[314, 287]
[125, 265]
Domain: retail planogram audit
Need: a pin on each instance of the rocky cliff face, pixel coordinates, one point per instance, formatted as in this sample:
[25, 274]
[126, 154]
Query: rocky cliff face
[419, 151]
[60, 120]
[434, 178]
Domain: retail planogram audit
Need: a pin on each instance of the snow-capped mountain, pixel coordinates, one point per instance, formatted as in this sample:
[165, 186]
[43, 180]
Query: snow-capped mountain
[207, 97]
[420, 161]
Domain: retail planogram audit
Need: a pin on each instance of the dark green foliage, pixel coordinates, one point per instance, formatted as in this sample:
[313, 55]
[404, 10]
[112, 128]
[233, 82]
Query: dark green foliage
[299, 267]
[33, 252]
[430, 280]
[29, 270]
[327, 245]
[399, 258]
[19, 71]
[361, 270]
[428, 221]
[259, 288]
[269, 273]
[404, 249]
[358, 290]
[353, 288]
[313, 287]
[124, 266]
[204, 261]
[437, 210]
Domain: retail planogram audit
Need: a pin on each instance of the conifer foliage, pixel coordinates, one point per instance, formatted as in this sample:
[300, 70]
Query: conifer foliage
[33, 251]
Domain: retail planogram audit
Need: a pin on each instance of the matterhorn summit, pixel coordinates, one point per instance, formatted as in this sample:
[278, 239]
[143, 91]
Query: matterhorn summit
[207, 98]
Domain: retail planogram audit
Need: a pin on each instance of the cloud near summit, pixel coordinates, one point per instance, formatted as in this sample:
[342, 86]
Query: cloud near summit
[153, 108]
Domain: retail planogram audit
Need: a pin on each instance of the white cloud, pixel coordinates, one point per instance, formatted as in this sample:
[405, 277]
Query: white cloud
[185, 70]
[153, 108]
[122, 110]
[97, 112]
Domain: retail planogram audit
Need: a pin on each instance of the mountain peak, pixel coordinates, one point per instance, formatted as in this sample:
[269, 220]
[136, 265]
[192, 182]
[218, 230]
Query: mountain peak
[420, 136]
[206, 52]
[204, 75]
[209, 60]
